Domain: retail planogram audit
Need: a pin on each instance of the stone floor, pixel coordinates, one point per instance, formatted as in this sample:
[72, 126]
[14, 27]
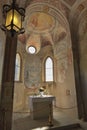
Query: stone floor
[61, 118]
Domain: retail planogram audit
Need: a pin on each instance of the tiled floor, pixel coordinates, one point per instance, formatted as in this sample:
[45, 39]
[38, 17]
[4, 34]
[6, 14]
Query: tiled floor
[23, 121]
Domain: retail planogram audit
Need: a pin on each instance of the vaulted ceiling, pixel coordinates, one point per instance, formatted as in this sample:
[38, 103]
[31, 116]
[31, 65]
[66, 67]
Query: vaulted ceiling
[51, 18]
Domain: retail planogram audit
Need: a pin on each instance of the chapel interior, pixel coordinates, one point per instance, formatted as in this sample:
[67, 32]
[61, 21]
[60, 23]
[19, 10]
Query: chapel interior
[50, 54]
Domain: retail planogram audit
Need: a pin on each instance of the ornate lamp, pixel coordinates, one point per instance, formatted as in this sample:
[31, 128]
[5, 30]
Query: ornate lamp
[13, 26]
[13, 18]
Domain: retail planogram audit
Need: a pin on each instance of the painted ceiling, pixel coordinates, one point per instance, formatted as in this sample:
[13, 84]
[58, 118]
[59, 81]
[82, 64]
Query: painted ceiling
[50, 27]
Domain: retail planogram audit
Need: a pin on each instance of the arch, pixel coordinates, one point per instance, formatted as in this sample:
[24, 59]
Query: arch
[78, 24]
[48, 69]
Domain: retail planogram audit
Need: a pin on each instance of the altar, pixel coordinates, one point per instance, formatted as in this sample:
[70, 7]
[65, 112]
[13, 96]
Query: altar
[41, 106]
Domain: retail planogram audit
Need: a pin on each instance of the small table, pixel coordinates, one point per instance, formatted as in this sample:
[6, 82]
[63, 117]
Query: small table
[41, 106]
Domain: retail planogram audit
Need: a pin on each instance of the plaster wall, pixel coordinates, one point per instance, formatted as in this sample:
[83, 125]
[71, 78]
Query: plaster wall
[65, 92]
[32, 76]
[18, 97]
[19, 87]
[83, 69]
[63, 87]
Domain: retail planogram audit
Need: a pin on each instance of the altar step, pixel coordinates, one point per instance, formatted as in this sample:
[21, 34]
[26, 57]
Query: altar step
[68, 127]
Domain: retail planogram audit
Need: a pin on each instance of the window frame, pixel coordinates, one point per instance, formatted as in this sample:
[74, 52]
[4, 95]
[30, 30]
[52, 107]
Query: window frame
[45, 69]
[19, 80]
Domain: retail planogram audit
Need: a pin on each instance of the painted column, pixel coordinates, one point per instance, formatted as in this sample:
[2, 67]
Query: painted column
[7, 86]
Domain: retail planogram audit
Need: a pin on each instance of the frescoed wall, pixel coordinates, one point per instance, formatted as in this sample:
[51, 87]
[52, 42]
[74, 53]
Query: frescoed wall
[32, 74]
[55, 42]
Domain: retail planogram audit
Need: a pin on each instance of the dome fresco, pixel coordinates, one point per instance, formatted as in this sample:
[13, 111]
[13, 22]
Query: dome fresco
[40, 22]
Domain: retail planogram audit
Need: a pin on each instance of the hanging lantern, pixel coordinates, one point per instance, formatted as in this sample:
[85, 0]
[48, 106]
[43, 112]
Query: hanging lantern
[13, 18]
[33, 44]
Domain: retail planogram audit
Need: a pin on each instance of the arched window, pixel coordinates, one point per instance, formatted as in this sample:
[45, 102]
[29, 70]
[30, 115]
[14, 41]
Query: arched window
[49, 69]
[17, 67]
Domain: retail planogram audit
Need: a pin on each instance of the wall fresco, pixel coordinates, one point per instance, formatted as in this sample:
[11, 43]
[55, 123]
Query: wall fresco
[63, 54]
[32, 72]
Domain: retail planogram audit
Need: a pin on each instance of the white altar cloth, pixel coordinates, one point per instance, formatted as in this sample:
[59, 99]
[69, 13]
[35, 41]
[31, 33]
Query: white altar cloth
[40, 106]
